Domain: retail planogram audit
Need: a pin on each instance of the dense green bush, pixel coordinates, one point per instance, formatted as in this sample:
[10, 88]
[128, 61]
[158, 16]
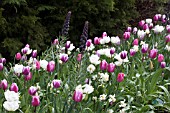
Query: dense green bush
[36, 22]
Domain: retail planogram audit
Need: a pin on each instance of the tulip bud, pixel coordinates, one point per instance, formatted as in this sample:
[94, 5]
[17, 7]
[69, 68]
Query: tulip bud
[135, 42]
[1, 66]
[27, 45]
[104, 34]
[103, 65]
[26, 70]
[24, 50]
[78, 95]
[35, 101]
[4, 84]
[51, 66]
[96, 41]
[126, 35]
[160, 58]
[2, 60]
[132, 52]
[111, 67]
[163, 64]
[32, 90]
[141, 23]
[79, 57]
[88, 43]
[153, 53]
[56, 83]
[145, 26]
[168, 28]
[28, 77]
[64, 57]
[144, 48]
[34, 54]
[18, 56]
[120, 77]
[67, 45]
[55, 41]
[123, 54]
[129, 29]
[135, 30]
[167, 38]
[112, 51]
[37, 63]
[14, 87]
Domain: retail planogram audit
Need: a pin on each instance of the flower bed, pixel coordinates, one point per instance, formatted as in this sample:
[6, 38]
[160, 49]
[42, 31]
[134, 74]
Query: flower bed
[107, 74]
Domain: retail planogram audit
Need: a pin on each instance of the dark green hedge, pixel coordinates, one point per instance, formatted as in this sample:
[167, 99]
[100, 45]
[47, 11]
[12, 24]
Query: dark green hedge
[37, 22]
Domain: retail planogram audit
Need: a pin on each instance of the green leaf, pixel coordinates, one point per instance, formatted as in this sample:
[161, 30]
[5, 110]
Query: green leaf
[166, 92]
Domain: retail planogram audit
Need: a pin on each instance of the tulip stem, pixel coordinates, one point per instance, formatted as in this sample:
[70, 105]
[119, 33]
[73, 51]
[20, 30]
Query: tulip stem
[35, 110]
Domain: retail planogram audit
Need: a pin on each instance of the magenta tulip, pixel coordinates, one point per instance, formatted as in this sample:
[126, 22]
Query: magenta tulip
[18, 56]
[78, 95]
[14, 87]
[51, 66]
[26, 70]
[120, 77]
[103, 65]
[96, 41]
[160, 57]
[135, 42]
[89, 42]
[32, 90]
[144, 48]
[56, 83]
[126, 35]
[4, 84]
[153, 53]
[163, 64]
[111, 67]
[34, 54]
[28, 77]
[35, 101]
[123, 54]
[1, 66]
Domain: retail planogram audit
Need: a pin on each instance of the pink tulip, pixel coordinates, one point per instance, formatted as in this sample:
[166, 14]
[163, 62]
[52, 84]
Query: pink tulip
[67, 45]
[26, 70]
[78, 95]
[160, 58]
[132, 52]
[88, 43]
[18, 56]
[167, 38]
[135, 30]
[79, 57]
[34, 54]
[144, 48]
[55, 41]
[103, 65]
[126, 35]
[112, 51]
[120, 77]
[4, 84]
[129, 29]
[141, 23]
[96, 41]
[156, 17]
[111, 67]
[14, 87]
[153, 53]
[1, 66]
[51, 66]
[35, 101]
[163, 64]
[28, 77]
[104, 34]
[135, 42]
[37, 63]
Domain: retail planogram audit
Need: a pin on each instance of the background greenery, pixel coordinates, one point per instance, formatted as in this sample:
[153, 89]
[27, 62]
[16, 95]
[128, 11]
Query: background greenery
[38, 22]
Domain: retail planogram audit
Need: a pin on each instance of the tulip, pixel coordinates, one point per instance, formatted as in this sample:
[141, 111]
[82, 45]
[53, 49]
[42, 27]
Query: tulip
[64, 57]
[120, 77]
[123, 54]
[104, 34]
[14, 87]
[18, 56]
[132, 52]
[32, 90]
[25, 50]
[67, 45]
[4, 84]
[27, 45]
[150, 25]
[126, 35]
[167, 38]
[55, 41]
[96, 41]
[163, 64]
[37, 63]
[112, 51]
[156, 17]
[28, 77]
[34, 54]
[78, 95]
[51, 66]
[26, 70]
[103, 65]
[2, 60]
[56, 83]
[1, 66]
[88, 43]
[135, 30]
[79, 57]
[24, 58]
[35, 101]
[145, 26]
[160, 58]
[144, 48]
[135, 42]
[153, 53]
[111, 67]
[129, 29]
[168, 28]
[141, 23]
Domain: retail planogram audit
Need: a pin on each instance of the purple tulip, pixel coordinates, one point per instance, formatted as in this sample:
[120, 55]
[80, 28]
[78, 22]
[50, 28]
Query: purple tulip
[132, 52]
[32, 90]
[2, 60]
[4, 84]
[120, 77]
[144, 48]
[126, 35]
[34, 54]
[112, 51]
[141, 23]
[26, 70]
[1, 66]
[56, 83]
[96, 41]
[67, 45]
[123, 54]
[163, 64]
[64, 58]
[28, 77]
[35, 101]
[135, 42]
[129, 29]
[78, 95]
[88, 43]
[145, 26]
[135, 30]
[14, 87]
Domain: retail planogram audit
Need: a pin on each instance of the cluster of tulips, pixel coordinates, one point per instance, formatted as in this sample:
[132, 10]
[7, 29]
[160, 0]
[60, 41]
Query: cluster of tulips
[106, 74]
